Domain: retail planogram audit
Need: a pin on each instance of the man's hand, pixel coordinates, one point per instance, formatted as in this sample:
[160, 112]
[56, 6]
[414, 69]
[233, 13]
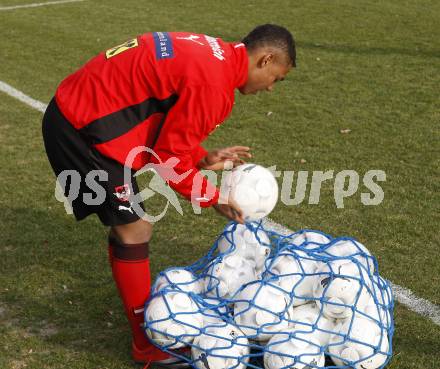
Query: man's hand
[216, 159]
[231, 211]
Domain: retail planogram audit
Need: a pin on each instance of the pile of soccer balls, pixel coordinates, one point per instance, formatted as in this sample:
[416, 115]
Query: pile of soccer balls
[261, 299]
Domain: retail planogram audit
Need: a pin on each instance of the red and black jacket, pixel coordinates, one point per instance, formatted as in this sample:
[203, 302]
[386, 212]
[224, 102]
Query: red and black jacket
[165, 91]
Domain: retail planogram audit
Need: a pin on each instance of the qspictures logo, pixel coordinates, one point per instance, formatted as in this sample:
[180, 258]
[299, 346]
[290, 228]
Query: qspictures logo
[345, 184]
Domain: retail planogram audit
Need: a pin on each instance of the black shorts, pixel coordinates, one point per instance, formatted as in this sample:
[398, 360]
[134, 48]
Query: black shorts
[68, 150]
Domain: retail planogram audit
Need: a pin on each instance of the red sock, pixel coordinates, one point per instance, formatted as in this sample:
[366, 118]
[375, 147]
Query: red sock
[131, 272]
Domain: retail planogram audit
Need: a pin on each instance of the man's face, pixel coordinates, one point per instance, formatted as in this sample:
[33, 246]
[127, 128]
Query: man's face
[264, 73]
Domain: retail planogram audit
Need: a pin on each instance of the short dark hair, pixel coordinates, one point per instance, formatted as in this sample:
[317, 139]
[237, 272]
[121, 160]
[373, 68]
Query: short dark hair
[272, 35]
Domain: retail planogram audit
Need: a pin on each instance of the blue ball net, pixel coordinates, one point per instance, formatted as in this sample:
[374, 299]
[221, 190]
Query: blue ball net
[266, 300]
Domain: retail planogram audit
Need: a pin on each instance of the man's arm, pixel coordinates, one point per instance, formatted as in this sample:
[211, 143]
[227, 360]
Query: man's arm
[224, 158]
[196, 113]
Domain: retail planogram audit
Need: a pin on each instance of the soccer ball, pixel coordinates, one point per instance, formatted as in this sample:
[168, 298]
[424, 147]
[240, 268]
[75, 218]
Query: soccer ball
[227, 274]
[220, 347]
[337, 286]
[365, 346]
[380, 306]
[178, 278]
[288, 351]
[172, 319]
[253, 246]
[377, 313]
[308, 319]
[383, 292]
[254, 189]
[351, 248]
[259, 310]
[310, 239]
[295, 272]
[214, 311]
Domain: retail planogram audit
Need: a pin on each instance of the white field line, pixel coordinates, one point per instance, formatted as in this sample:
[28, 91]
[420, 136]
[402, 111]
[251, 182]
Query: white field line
[401, 294]
[417, 304]
[34, 5]
[11, 91]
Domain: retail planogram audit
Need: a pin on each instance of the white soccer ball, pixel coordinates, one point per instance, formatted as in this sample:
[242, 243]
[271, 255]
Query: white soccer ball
[296, 274]
[260, 309]
[220, 347]
[254, 189]
[227, 274]
[365, 346]
[310, 239]
[283, 351]
[214, 311]
[383, 292]
[337, 287]
[351, 248]
[380, 305]
[178, 278]
[253, 246]
[377, 313]
[308, 319]
[177, 331]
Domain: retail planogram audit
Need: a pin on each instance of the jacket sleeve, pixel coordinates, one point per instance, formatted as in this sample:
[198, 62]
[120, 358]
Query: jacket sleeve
[196, 113]
[198, 154]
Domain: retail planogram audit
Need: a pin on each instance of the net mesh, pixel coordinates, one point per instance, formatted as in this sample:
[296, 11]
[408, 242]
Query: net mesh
[261, 299]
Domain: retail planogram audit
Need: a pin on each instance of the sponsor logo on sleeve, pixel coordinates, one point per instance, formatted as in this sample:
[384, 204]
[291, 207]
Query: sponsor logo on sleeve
[215, 47]
[164, 45]
[193, 38]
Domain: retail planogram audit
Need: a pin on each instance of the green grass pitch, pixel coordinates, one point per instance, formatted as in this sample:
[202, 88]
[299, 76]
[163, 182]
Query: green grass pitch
[368, 66]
